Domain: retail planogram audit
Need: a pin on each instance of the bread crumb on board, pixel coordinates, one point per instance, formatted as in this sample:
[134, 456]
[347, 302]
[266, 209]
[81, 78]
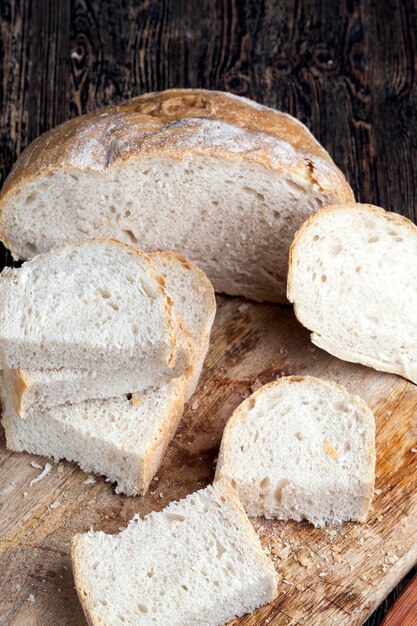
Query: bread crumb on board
[46, 470]
[31, 597]
[90, 481]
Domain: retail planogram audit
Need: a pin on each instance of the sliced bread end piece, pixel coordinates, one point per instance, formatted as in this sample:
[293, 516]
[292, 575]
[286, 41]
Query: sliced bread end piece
[199, 561]
[301, 448]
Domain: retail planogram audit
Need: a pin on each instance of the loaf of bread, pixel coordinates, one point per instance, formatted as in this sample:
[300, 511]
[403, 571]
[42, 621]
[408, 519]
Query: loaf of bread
[198, 562]
[195, 305]
[352, 283]
[93, 303]
[301, 448]
[218, 178]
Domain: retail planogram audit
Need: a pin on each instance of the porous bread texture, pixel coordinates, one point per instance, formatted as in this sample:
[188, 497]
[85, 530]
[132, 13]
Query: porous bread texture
[198, 562]
[301, 448]
[194, 306]
[352, 279]
[215, 177]
[36, 390]
[90, 302]
[123, 438]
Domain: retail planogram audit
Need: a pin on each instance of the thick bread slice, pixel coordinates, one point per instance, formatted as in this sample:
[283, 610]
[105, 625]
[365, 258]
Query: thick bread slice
[301, 448]
[122, 438]
[198, 562]
[218, 178]
[194, 299]
[353, 278]
[195, 308]
[92, 303]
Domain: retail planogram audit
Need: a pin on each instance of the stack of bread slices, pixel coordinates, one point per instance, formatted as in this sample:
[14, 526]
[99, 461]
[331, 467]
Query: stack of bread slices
[101, 346]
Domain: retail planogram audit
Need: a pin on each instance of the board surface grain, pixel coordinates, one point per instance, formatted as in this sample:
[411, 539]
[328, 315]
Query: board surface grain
[346, 69]
[327, 576]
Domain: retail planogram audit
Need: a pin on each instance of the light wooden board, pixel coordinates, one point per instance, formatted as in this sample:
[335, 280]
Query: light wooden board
[335, 576]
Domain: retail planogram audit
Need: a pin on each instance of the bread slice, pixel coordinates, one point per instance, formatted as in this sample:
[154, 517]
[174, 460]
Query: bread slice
[199, 561]
[352, 280]
[92, 303]
[195, 308]
[301, 448]
[218, 178]
[123, 438]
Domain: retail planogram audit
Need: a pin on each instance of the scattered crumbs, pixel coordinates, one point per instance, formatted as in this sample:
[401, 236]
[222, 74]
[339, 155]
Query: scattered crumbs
[243, 307]
[152, 493]
[390, 559]
[161, 495]
[25, 494]
[13, 484]
[36, 465]
[379, 518]
[55, 505]
[389, 413]
[31, 597]
[364, 578]
[361, 541]
[384, 568]
[18, 587]
[374, 583]
[281, 552]
[287, 582]
[121, 528]
[378, 492]
[156, 478]
[60, 469]
[413, 450]
[46, 470]
[89, 481]
[194, 406]
[304, 561]
[351, 567]
[256, 385]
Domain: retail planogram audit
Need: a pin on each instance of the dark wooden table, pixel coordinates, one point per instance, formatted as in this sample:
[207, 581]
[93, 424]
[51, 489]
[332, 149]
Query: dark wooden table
[346, 69]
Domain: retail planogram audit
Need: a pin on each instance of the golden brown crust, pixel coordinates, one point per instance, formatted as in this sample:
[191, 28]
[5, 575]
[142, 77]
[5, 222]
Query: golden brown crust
[156, 452]
[17, 385]
[178, 123]
[81, 592]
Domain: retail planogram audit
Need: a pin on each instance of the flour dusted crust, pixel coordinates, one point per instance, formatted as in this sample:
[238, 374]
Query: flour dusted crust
[178, 123]
[216, 177]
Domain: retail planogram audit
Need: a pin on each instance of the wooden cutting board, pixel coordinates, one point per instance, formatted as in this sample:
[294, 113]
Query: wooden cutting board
[333, 576]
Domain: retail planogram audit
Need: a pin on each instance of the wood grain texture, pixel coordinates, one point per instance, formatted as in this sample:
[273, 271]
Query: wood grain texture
[346, 69]
[404, 611]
